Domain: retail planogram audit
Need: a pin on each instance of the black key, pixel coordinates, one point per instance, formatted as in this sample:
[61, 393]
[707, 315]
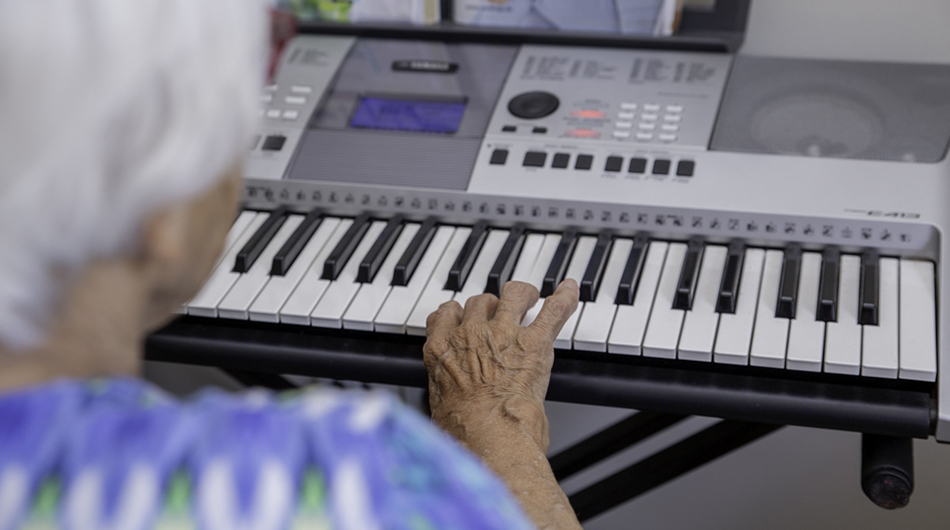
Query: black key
[509, 128]
[788, 285]
[540, 130]
[614, 163]
[630, 278]
[344, 249]
[254, 246]
[828, 286]
[413, 255]
[505, 263]
[689, 276]
[466, 258]
[288, 253]
[380, 249]
[637, 165]
[731, 274]
[590, 284]
[869, 297]
[561, 160]
[584, 162]
[558, 266]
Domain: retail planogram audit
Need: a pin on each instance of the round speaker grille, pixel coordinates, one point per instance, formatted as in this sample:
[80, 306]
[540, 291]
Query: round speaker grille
[816, 124]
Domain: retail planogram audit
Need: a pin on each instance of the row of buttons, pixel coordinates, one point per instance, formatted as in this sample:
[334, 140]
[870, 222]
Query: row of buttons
[661, 166]
[514, 128]
[614, 164]
[298, 97]
[645, 136]
[650, 107]
[649, 124]
[276, 114]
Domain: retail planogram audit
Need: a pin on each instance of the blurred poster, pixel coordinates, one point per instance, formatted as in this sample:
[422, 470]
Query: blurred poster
[640, 17]
[421, 12]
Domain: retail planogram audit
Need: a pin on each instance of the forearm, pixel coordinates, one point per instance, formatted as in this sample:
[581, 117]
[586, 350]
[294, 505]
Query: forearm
[511, 437]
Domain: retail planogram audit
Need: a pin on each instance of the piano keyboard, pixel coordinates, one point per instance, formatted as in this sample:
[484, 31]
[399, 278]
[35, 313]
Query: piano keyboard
[792, 308]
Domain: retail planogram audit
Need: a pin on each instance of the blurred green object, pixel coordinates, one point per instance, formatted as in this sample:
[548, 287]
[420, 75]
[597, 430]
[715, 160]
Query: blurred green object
[328, 10]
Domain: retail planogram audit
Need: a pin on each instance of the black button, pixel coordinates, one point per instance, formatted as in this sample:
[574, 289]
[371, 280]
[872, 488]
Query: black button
[584, 162]
[540, 130]
[273, 143]
[614, 163]
[661, 167]
[560, 160]
[509, 128]
[638, 165]
[685, 168]
[533, 105]
[535, 158]
[499, 157]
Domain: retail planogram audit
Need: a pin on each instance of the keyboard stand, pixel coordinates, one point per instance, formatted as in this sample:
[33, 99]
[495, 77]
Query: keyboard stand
[256, 354]
[887, 472]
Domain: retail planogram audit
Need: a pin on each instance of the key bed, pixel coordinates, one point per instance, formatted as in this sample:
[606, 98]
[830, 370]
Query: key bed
[786, 309]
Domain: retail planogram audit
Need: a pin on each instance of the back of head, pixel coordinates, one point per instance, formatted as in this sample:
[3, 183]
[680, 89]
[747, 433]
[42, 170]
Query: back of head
[110, 109]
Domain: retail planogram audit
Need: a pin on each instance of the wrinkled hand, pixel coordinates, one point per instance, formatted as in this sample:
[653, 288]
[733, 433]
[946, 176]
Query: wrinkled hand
[488, 371]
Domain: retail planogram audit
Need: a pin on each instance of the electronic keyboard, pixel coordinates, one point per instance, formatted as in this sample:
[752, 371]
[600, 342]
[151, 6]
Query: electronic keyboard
[766, 254]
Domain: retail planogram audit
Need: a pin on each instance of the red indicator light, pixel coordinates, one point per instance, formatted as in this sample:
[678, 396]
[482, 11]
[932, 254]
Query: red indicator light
[589, 114]
[583, 133]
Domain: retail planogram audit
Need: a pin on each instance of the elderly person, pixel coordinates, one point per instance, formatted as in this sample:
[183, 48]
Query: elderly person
[123, 125]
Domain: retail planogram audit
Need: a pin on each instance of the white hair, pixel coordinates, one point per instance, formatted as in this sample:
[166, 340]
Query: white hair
[110, 109]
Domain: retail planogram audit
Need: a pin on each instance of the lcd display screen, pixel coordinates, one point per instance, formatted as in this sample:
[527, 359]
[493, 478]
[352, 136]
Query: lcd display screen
[412, 115]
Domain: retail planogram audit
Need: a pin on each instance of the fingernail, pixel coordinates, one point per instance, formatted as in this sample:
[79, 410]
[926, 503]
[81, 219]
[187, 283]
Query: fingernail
[570, 283]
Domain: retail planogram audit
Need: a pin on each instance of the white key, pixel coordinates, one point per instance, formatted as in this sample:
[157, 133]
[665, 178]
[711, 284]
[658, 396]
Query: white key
[238, 228]
[575, 271]
[880, 343]
[843, 338]
[548, 249]
[205, 303]
[630, 324]
[771, 334]
[278, 289]
[435, 293]
[371, 296]
[312, 286]
[593, 328]
[918, 324]
[239, 299]
[478, 277]
[529, 255]
[806, 334]
[699, 325]
[330, 309]
[663, 330]
[734, 337]
[402, 299]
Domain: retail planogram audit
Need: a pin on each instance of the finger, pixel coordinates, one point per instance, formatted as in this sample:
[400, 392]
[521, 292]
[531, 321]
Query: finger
[516, 299]
[556, 310]
[480, 308]
[444, 319]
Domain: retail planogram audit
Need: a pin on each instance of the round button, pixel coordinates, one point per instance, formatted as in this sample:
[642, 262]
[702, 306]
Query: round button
[533, 105]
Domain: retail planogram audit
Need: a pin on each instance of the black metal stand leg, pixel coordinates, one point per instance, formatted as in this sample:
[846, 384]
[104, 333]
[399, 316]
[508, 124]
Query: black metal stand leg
[609, 441]
[887, 470]
[676, 460]
[261, 379]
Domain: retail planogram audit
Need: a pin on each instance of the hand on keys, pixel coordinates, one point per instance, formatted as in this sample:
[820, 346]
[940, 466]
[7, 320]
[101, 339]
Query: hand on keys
[486, 370]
